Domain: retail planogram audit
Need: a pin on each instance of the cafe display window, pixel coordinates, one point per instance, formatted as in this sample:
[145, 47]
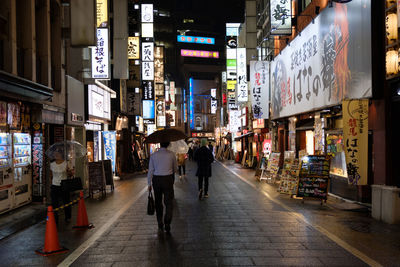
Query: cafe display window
[335, 149]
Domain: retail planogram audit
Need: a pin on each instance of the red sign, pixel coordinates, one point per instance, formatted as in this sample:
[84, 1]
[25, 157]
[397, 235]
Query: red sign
[267, 146]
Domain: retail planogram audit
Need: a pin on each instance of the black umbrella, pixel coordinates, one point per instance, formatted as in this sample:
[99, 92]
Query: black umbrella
[166, 135]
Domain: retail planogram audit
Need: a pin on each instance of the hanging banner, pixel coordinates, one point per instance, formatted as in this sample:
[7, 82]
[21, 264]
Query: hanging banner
[281, 17]
[234, 121]
[100, 60]
[110, 142]
[259, 88]
[329, 62]
[133, 48]
[241, 72]
[355, 132]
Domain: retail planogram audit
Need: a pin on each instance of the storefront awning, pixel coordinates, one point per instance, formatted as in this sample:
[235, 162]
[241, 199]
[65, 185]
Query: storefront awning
[15, 85]
[237, 138]
[306, 125]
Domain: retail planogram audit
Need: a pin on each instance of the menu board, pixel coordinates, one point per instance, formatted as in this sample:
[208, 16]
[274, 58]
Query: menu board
[273, 164]
[96, 176]
[290, 176]
[314, 177]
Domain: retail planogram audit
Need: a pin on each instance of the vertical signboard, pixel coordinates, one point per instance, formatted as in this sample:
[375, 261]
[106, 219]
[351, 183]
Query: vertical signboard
[281, 17]
[172, 92]
[147, 51]
[147, 71]
[160, 112]
[355, 132]
[148, 109]
[214, 102]
[259, 88]
[110, 142]
[100, 57]
[191, 108]
[101, 12]
[147, 13]
[133, 48]
[171, 119]
[242, 92]
[148, 90]
[159, 64]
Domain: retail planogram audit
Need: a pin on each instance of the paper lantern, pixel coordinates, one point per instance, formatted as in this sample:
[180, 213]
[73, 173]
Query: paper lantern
[391, 27]
[392, 62]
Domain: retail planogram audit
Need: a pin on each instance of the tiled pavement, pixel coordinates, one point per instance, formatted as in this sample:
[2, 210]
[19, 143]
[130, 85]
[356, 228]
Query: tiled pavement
[237, 225]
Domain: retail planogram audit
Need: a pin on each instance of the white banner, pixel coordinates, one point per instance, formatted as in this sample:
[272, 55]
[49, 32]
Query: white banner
[242, 92]
[100, 62]
[147, 12]
[259, 88]
[234, 121]
[329, 62]
[281, 17]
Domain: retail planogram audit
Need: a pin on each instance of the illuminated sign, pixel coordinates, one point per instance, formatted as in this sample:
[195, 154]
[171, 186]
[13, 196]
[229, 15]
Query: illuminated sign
[99, 102]
[191, 110]
[171, 118]
[148, 90]
[184, 106]
[133, 48]
[214, 92]
[100, 63]
[281, 17]
[147, 51]
[199, 53]
[148, 109]
[242, 92]
[160, 109]
[147, 71]
[195, 39]
[159, 65]
[147, 30]
[230, 85]
[147, 13]
[231, 63]
[101, 13]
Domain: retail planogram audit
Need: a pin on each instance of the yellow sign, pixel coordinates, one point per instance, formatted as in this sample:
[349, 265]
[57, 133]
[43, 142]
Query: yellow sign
[102, 15]
[230, 85]
[133, 48]
[355, 132]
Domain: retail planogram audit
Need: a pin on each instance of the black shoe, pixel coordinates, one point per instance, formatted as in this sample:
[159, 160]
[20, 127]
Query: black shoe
[200, 194]
[206, 195]
[168, 229]
[161, 227]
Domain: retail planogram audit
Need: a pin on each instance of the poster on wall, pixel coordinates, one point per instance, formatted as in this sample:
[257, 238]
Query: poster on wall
[171, 118]
[355, 132]
[259, 88]
[14, 117]
[100, 57]
[3, 113]
[110, 141]
[329, 62]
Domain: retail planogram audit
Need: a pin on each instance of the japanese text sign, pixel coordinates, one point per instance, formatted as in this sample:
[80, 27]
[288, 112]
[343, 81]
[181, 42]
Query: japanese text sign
[133, 48]
[195, 39]
[281, 17]
[100, 61]
[242, 92]
[148, 90]
[259, 88]
[147, 51]
[199, 53]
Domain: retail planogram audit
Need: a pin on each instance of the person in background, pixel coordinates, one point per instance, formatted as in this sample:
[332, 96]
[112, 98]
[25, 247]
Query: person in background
[160, 177]
[190, 152]
[181, 164]
[210, 146]
[204, 158]
[60, 171]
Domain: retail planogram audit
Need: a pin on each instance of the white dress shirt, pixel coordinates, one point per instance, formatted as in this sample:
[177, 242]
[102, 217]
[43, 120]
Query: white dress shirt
[162, 162]
[59, 172]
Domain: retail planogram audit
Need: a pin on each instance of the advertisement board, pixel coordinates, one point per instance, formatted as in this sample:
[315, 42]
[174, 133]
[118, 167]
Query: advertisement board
[133, 48]
[148, 109]
[147, 90]
[110, 142]
[259, 89]
[100, 55]
[147, 51]
[242, 92]
[329, 62]
[99, 102]
[101, 13]
[195, 39]
[147, 13]
[199, 53]
[148, 71]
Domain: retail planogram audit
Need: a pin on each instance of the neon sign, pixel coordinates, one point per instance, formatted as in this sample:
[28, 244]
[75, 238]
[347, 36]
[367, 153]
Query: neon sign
[199, 53]
[191, 103]
[195, 39]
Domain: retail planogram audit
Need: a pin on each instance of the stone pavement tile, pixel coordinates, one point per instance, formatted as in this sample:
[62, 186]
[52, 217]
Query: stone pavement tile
[132, 263]
[321, 245]
[271, 261]
[273, 246]
[295, 239]
[111, 250]
[294, 253]
[241, 239]
[305, 233]
[217, 233]
[200, 262]
[88, 264]
[114, 238]
[266, 232]
[198, 254]
[249, 253]
[118, 232]
[234, 261]
[348, 261]
[137, 250]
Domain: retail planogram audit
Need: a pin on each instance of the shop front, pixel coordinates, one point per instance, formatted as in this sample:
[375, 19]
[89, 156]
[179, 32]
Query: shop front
[311, 81]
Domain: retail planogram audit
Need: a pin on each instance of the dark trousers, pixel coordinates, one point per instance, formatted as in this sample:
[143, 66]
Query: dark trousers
[56, 195]
[182, 167]
[205, 178]
[163, 186]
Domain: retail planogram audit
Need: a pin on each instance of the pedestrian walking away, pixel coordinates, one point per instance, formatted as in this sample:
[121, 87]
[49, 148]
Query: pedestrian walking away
[160, 178]
[60, 171]
[204, 158]
[181, 164]
[211, 147]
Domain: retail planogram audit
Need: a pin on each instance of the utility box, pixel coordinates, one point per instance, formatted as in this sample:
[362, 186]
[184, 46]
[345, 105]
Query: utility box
[377, 201]
[390, 206]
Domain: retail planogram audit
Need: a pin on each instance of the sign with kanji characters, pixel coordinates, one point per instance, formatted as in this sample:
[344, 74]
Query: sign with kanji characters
[133, 48]
[147, 71]
[147, 13]
[355, 132]
[100, 62]
[281, 17]
[101, 13]
[147, 51]
[133, 103]
[148, 90]
[234, 121]
[329, 62]
[259, 88]
[242, 92]
[159, 64]
[195, 39]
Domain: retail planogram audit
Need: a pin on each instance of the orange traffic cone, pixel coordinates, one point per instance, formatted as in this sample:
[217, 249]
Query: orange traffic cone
[51, 243]
[82, 218]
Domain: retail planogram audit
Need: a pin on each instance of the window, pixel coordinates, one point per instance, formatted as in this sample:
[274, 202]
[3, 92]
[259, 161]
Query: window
[303, 5]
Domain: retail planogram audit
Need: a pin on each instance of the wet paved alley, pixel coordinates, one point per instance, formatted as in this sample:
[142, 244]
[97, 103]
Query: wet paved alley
[236, 225]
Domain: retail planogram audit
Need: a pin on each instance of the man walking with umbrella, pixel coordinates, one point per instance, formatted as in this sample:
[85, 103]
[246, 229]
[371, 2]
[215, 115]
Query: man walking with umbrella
[161, 177]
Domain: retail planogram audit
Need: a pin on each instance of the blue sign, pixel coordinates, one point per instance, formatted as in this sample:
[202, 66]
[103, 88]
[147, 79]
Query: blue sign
[191, 109]
[110, 142]
[184, 106]
[195, 39]
[148, 109]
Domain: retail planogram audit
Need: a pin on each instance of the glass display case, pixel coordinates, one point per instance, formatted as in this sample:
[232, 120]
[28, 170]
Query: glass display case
[22, 149]
[335, 149]
[5, 150]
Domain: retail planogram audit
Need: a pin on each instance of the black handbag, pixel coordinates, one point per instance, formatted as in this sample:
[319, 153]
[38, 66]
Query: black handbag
[71, 185]
[150, 205]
